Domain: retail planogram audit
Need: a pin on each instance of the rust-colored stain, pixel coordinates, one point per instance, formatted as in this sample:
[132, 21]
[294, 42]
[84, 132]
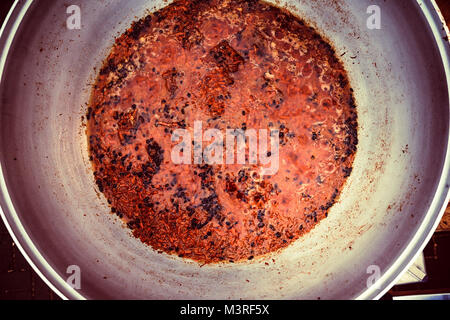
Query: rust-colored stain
[444, 225]
[231, 65]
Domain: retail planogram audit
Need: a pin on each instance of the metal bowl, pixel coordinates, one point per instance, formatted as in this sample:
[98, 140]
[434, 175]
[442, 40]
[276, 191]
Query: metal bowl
[388, 210]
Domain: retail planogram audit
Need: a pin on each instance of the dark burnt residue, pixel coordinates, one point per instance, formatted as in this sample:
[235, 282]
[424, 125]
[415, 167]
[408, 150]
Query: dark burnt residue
[235, 64]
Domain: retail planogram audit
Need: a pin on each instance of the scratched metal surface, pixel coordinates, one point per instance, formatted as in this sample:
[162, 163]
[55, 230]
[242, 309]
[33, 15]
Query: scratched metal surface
[403, 103]
[17, 279]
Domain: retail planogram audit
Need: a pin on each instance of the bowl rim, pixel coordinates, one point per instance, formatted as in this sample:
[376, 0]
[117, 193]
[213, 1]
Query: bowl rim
[55, 281]
[7, 211]
[441, 198]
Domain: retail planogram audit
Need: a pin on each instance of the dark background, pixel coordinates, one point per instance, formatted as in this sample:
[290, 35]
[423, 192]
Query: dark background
[19, 281]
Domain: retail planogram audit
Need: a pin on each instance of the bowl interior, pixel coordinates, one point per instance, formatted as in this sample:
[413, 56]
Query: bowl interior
[402, 96]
